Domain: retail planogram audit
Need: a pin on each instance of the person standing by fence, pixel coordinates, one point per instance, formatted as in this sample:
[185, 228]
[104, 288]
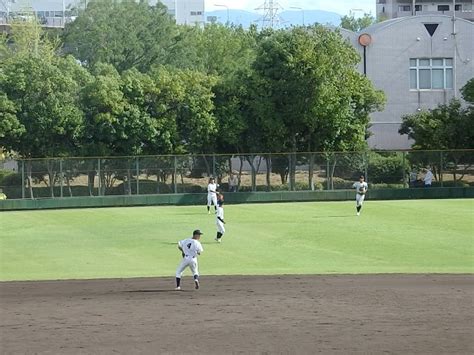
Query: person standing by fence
[233, 183]
[428, 179]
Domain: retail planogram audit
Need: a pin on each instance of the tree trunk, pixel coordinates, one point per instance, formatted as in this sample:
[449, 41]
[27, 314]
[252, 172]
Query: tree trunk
[250, 159]
[129, 180]
[311, 172]
[51, 176]
[68, 183]
[269, 172]
[333, 169]
[240, 172]
[29, 179]
[292, 171]
[208, 168]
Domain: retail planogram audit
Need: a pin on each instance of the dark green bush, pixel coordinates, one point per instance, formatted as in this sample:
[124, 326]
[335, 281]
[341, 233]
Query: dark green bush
[9, 178]
[386, 169]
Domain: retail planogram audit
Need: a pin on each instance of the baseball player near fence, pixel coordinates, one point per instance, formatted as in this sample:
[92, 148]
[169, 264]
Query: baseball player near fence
[190, 249]
[212, 194]
[361, 189]
[220, 217]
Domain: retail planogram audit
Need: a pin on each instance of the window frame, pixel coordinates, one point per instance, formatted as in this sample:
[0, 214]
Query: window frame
[419, 66]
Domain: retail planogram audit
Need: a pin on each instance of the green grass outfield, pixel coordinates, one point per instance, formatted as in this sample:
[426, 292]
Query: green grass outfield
[422, 236]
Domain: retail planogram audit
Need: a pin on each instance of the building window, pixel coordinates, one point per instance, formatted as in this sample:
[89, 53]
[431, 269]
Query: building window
[457, 7]
[196, 13]
[443, 7]
[431, 73]
[405, 8]
[418, 8]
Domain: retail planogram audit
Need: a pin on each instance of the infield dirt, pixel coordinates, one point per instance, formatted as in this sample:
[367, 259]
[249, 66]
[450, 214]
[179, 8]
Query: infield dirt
[426, 314]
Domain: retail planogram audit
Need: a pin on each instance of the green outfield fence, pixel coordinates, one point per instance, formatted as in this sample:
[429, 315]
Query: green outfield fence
[83, 178]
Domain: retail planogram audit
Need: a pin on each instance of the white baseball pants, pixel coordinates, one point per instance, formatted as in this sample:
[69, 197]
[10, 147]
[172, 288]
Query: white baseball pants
[188, 262]
[212, 198]
[360, 199]
[220, 227]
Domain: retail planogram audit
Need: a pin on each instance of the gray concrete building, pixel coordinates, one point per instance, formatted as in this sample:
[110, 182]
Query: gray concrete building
[186, 12]
[56, 13]
[388, 9]
[419, 62]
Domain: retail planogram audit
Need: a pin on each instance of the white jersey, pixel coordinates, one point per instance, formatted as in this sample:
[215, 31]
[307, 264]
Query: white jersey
[361, 187]
[212, 188]
[220, 213]
[191, 247]
[428, 177]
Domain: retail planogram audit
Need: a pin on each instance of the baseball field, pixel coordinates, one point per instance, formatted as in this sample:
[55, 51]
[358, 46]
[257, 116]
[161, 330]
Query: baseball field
[287, 278]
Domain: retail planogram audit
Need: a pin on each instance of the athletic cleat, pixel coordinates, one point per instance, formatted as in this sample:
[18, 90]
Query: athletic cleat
[196, 283]
[358, 213]
[217, 240]
[178, 288]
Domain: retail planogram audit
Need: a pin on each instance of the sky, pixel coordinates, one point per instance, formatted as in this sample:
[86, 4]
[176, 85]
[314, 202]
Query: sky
[342, 7]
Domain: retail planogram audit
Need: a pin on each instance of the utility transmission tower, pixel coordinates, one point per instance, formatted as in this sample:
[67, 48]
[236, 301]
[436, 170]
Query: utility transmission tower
[270, 17]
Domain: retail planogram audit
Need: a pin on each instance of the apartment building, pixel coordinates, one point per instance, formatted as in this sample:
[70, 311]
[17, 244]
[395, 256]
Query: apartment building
[58, 12]
[419, 62]
[388, 9]
[186, 12]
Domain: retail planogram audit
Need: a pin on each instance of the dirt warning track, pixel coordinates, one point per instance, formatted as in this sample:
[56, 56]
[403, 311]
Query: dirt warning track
[426, 314]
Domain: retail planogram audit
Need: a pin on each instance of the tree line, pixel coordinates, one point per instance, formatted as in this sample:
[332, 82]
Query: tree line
[124, 79]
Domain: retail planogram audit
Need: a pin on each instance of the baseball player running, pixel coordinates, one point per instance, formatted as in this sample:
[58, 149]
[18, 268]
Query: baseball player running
[190, 249]
[220, 217]
[361, 188]
[212, 194]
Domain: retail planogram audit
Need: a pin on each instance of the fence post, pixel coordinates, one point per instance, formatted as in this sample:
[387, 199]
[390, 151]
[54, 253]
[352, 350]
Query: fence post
[22, 179]
[98, 175]
[138, 174]
[441, 169]
[175, 176]
[327, 174]
[61, 176]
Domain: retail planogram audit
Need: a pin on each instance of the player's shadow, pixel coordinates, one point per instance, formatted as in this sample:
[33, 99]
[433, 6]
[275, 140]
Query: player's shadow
[190, 213]
[156, 291]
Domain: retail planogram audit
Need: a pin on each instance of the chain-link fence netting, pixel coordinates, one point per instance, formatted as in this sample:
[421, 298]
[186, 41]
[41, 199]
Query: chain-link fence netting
[144, 175]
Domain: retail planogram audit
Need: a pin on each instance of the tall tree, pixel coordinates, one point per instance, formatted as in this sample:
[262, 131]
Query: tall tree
[307, 93]
[127, 34]
[448, 126]
[350, 22]
[445, 127]
[45, 97]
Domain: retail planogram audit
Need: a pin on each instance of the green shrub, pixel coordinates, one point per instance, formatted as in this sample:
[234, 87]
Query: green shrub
[8, 178]
[451, 184]
[386, 169]
[339, 183]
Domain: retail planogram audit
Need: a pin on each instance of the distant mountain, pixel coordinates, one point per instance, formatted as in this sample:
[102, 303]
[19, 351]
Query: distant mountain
[238, 17]
[287, 18]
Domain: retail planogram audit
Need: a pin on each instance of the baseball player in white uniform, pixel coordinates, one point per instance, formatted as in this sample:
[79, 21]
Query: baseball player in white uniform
[212, 194]
[220, 218]
[190, 249]
[361, 188]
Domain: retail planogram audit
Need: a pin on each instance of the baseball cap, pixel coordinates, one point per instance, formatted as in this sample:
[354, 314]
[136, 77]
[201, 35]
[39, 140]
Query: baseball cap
[197, 231]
